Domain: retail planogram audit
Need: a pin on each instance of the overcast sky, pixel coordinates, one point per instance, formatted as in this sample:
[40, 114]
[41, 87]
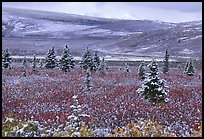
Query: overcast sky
[163, 11]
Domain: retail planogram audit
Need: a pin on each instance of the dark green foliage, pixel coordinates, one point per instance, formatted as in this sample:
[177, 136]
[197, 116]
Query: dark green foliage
[127, 67]
[88, 80]
[34, 63]
[154, 89]
[141, 71]
[6, 59]
[66, 62]
[96, 61]
[87, 62]
[190, 70]
[102, 66]
[50, 60]
[166, 62]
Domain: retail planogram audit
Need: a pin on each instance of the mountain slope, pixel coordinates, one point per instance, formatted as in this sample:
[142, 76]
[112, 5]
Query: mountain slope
[26, 32]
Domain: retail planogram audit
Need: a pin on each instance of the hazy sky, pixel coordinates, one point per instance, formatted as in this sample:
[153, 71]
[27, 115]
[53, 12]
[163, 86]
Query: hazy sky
[164, 11]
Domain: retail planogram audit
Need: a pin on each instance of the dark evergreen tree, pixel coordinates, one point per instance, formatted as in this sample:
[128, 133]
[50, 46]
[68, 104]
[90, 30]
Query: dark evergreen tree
[6, 59]
[127, 67]
[66, 62]
[87, 62]
[50, 60]
[96, 61]
[34, 63]
[102, 66]
[190, 69]
[166, 62]
[154, 89]
[88, 80]
[40, 63]
[186, 67]
[141, 71]
[24, 66]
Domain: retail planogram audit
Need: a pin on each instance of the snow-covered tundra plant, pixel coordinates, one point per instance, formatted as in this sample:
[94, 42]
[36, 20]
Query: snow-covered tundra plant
[166, 62]
[87, 61]
[146, 128]
[50, 59]
[12, 127]
[153, 88]
[6, 59]
[190, 70]
[34, 63]
[141, 71]
[66, 62]
[76, 127]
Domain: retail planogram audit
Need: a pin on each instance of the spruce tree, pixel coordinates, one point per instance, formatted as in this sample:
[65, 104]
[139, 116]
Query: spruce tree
[34, 63]
[88, 80]
[154, 89]
[6, 59]
[166, 62]
[102, 67]
[24, 66]
[40, 63]
[66, 62]
[76, 118]
[96, 61]
[87, 61]
[190, 69]
[127, 67]
[186, 67]
[141, 71]
[50, 60]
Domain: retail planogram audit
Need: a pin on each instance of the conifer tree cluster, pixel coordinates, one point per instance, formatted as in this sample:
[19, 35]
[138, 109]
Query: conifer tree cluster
[89, 62]
[154, 89]
[66, 62]
[6, 59]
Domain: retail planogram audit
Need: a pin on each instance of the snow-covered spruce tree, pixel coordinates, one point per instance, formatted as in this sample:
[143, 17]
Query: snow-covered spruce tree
[34, 63]
[87, 80]
[50, 60]
[96, 61]
[87, 62]
[24, 66]
[40, 63]
[102, 67]
[6, 59]
[186, 66]
[75, 120]
[127, 67]
[190, 69]
[154, 89]
[141, 71]
[66, 62]
[166, 62]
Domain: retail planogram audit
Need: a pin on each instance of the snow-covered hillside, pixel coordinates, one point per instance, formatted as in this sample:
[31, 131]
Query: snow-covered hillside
[26, 32]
